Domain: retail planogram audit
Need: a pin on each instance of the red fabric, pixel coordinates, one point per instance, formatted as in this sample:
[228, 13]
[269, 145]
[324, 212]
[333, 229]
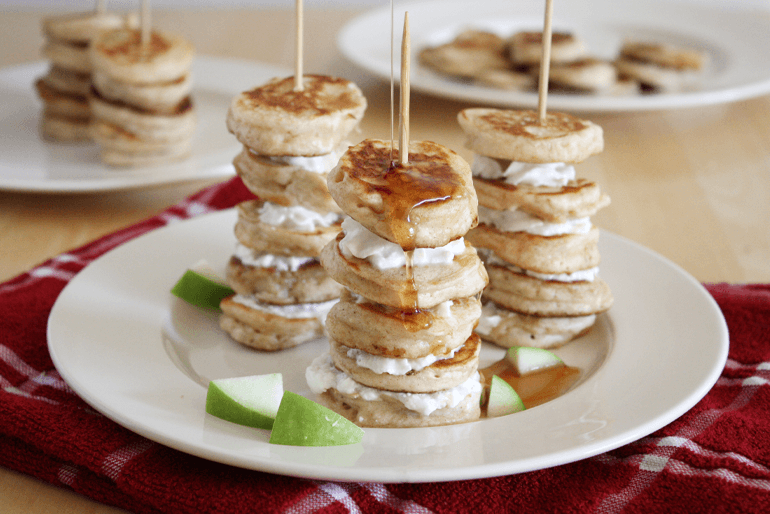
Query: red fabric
[715, 458]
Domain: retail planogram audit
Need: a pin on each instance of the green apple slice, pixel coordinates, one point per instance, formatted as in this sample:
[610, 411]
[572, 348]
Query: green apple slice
[252, 401]
[201, 287]
[526, 360]
[503, 399]
[303, 422]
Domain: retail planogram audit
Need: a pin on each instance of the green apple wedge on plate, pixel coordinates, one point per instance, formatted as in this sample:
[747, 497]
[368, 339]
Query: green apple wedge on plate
[303, 422]
[251, 401]
[526, 360]
[201, 287]
[503, 399]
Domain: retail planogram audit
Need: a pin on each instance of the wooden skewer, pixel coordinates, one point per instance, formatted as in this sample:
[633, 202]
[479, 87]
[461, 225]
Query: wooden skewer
[392, 86]
[146, 24]
[545, 62]
[403, 142]
[298, 85]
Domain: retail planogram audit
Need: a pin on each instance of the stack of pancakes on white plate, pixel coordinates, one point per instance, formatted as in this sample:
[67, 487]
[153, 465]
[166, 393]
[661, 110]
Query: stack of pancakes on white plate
[291, 139]
[402, 352]
[140, 99]
[535, 234]
[65, 87]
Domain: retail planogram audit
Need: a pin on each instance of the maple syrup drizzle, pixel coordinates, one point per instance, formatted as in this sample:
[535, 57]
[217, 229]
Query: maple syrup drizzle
[535, 388]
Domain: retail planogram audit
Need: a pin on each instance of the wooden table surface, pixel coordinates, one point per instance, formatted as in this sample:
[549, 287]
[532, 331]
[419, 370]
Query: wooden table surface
[692, 184]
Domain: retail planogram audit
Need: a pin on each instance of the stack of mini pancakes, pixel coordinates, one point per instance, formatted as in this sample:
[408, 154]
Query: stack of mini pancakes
[402, 349]
[291, 138]
[140, 99]
[64, 88]
[535, 234]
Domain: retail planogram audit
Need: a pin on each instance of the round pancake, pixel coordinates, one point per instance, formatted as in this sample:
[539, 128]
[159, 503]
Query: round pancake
[284, 184]
[63, 104]
[273, 119]
[529, 295]
[68, 57]
[309, 284]
[468, 55]
[565, 253]
[67, 81]
[83, 27]
[113, 138]
[170, 153]
[507, 329]
[578, 199]
[666, 55]
[527, 47]
[653, 75]
[585, 74]
[65, 130]
[163, 98]
[251, 232]
[399, 334]
[120, 55]
[442, 374]
[519, 136]
[149, 126]
[265, 331]
[425, 203]
[431, 285]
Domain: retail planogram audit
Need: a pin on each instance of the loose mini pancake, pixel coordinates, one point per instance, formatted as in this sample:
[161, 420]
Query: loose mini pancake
[146, 125]
[527, 47]
[665, 55]
[587, 74]
[426, 203]
[578, 199]
[265, 331]
[309, 284]
[284, 184]
[261, 237]
[518, 135]
[120, 55]
[529, 295]
[399, 334]
[507, 328]
[273, 119]
[469, 54]
[442, 374]
[430, 285]
[653, 75]
[162, 98]
[565, 253]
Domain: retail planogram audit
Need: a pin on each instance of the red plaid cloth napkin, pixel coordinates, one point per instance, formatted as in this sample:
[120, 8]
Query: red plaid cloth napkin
[715, 458]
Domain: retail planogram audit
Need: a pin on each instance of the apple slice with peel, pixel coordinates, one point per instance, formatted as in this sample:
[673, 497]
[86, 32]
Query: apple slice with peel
[303, 422]
[200, 286]
[526, 360]
[252, 401]
[503, 399]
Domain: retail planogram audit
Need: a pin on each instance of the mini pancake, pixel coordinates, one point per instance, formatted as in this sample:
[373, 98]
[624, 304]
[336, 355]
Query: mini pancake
[67, 81]
[528, 295]
[265, 238]
[114, 138]
[506, 79]
[518, 135]
[273, 119]
[469, 54]
[399, 334]
[578, 199]
[506, 328]
[527, 47]
[664, 55]
[425, 203]
[169, 153]
[284, 184]
[63, 104]
[431, 285]
[120, 55]
[146, 125]
[652, 75]
[68, 57]
[65, 130]
[565, 253]
[309, 284]
[81, 28]
[587, 74]
[442, 374]
[162, 98]
[266, 331]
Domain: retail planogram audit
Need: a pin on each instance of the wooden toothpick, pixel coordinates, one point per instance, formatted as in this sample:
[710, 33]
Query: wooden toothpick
[146, 23]
[298, 86]
[545, 63]
[403, 141]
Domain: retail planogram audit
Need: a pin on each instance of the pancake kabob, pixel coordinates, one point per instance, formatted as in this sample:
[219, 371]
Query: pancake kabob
[293, 131]
[402, 352]
[65, 87]
[140, 98]
[535, 234]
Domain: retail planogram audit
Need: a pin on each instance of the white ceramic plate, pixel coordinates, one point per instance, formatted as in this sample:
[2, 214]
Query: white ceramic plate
[144, 358]
[736, 37]
[28, 163]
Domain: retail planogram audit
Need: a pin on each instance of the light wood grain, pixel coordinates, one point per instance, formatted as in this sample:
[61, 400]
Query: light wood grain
[692, 185]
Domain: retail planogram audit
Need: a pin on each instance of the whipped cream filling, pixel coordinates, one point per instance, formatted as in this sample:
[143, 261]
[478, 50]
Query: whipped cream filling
[583, 275]
[551, 174]
[296, 217]
[514, 220]
[360, 242]
[313, 164]
[393, 366]
[293, 311]
[490, 318]
[250, 257]
[322, 375]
